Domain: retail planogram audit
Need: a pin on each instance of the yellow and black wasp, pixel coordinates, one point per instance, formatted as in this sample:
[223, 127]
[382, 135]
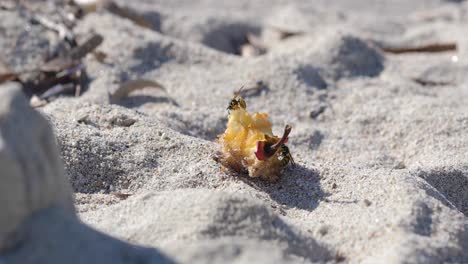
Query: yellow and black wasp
[237, 101]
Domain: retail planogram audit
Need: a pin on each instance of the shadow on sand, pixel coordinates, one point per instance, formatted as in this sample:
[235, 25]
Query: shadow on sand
[58, 237]
[299, 187]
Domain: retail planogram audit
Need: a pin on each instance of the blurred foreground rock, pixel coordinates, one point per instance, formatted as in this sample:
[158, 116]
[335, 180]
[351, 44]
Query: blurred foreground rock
[32, 175]
[38, 223]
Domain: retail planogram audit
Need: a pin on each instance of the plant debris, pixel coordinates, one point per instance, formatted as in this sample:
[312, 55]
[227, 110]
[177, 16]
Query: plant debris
[61, 29]
[74, 56]
[425, 82]
[65, 74]
[128, 13]
[67, 88]
[126, 88]
[284, 34]
[90, 6]
[63, 71]
[436, 47]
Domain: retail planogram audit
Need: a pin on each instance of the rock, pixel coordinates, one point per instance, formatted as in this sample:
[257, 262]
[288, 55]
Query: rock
[38, 219]
[32, 175]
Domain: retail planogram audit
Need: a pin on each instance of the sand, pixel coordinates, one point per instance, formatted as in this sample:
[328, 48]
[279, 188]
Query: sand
[380, 140]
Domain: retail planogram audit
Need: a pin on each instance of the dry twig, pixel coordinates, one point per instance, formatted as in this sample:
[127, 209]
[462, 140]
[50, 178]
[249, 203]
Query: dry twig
[436, 47]
[128, 13]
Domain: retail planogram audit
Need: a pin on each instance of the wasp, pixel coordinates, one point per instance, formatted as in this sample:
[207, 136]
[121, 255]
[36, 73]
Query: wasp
[266, 149]
[237, 101]
[285, 156]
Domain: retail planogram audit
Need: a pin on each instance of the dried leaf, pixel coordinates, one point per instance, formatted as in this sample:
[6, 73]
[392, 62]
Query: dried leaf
[70, 71]
[126, 88]
[61, 29]
[128, 13]
[72, 58]
[57, 64]
[88, 5]
[58, 89]
[88, 46]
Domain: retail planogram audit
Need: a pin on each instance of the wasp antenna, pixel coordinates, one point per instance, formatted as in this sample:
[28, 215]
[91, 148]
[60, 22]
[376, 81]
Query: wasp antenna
[238, 92]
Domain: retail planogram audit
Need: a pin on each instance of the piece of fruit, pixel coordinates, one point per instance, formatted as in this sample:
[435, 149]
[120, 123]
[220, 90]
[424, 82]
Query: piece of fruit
[248, 144]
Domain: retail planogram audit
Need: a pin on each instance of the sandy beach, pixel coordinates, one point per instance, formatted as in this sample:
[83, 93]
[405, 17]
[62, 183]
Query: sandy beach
[375, 91]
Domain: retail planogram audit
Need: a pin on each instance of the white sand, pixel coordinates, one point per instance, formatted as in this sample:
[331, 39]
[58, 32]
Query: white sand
[381, 175]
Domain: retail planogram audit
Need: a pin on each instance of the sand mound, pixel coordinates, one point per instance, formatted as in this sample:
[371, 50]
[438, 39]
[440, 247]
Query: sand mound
[203, 215]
